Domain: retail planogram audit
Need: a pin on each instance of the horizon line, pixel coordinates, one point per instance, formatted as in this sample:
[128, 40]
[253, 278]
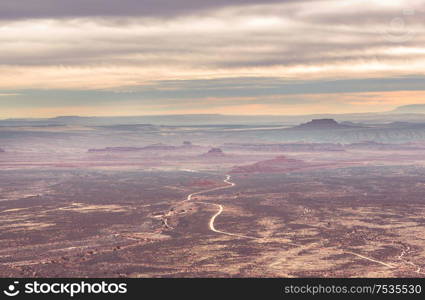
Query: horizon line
[227, 115]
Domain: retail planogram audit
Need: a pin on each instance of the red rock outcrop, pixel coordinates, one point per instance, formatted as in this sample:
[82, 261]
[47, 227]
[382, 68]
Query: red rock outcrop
[278, 164]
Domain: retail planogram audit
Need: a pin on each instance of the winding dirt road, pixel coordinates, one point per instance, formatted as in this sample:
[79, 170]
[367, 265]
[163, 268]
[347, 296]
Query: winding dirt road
[211, 224]
[220, 209]
[230, 184]
[212, 220]
[226, 180]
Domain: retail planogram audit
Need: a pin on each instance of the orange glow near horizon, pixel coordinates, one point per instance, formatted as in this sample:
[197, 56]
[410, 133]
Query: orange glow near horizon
[291, 42]
[320, 104]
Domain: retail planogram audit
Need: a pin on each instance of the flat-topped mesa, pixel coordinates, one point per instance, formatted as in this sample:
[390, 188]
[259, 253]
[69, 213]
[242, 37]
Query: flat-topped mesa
[189, 146]
[284, 147]
[159, 146]
[115, 149]
[214, 152]
[153, 147]
[278, 164]
[322, 124]
[372, 145]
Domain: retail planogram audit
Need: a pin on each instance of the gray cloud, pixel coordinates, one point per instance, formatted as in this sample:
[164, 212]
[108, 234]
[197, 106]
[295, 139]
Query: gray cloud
[26, 9]
[223, 48]
[130, 43]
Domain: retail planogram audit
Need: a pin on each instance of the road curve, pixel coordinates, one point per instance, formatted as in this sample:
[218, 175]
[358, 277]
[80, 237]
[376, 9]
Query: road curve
[212, 220]
[220, 208]
[227, 180]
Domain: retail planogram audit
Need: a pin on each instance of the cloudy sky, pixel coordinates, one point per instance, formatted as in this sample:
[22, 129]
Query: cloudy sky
[144, 57]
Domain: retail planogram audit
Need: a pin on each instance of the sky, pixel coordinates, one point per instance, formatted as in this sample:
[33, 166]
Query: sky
[246, 57]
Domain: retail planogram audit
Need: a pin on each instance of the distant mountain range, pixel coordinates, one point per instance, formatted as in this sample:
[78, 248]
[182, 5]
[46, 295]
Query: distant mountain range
[410, 109]
[408, 113]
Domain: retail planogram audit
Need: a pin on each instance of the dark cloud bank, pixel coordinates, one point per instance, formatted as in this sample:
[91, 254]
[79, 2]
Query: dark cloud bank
[27, 9]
